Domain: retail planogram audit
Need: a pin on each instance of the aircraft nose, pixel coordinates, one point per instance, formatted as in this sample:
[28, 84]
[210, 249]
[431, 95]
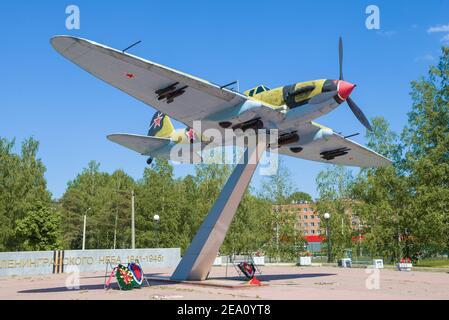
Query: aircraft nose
[345, 89]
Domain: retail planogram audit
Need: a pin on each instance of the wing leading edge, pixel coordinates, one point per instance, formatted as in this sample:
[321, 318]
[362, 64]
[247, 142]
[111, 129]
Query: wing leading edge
[190, 99]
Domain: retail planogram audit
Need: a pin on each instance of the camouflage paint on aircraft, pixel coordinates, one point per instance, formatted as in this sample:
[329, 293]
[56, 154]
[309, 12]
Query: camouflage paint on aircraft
[294, 95]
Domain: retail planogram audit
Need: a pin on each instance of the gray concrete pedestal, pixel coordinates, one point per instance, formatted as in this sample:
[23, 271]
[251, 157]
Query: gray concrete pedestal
[199, 257]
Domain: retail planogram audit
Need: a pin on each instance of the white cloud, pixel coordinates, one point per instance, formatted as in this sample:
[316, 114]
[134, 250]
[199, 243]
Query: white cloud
[445, 39]
[440, 28]
[426, 57]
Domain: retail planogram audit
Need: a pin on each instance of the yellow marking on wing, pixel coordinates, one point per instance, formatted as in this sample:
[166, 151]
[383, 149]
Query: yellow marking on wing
[320, 125]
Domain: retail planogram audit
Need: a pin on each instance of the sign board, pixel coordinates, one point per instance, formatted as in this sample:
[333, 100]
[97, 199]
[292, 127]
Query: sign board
[305, 261]
[59, 261]
[345, 263]
[259, 261]
[405, 266]
[378, 264]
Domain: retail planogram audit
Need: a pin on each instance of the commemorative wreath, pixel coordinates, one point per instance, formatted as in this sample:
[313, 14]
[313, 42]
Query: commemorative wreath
[248, 269]
[128, 277]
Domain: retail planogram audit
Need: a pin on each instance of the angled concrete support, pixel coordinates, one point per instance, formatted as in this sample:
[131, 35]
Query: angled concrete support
[200, 255]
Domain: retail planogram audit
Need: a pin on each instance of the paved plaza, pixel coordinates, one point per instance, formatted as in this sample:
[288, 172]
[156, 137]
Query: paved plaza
[279, 282]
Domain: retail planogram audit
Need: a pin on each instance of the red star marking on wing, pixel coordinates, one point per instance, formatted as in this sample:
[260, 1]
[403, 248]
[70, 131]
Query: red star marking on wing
[130, 75]
[158, 120]
[190, 134]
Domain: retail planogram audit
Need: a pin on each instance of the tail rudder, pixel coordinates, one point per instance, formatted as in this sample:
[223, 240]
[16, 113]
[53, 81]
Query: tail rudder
[161, 126]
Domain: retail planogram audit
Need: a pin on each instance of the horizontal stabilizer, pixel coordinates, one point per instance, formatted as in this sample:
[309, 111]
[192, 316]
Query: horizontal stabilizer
[142, 144]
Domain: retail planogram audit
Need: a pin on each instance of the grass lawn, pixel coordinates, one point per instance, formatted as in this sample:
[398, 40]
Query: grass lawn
[443, 263]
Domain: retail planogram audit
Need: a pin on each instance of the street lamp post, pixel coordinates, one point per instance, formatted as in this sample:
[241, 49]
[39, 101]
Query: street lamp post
[115, 229]
[156, 219]
[278, 256]
[84, 228]
[133, 226]
[360, 240]
[329, 251]
[133, 220]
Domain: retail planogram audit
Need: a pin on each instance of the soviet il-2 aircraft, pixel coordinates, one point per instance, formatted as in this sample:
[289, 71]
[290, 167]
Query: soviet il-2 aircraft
[290, 109]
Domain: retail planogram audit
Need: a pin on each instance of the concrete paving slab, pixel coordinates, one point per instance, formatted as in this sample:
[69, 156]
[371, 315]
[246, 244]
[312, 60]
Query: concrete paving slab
[284, 282]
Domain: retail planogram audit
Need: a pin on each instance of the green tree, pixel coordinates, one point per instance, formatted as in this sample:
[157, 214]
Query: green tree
[406, 206]
[191, 216]
[39, 229]
[427, 161]
[119, 190]
[103, 198]
[299, 197]
[334, 186]
[285, 238]
[22, 185]
[250, 230]
[277, 188]
[382, 196]
[158, 194]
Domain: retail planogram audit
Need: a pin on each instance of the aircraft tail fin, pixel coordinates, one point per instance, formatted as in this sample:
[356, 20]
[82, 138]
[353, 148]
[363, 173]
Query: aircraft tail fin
[161, 126]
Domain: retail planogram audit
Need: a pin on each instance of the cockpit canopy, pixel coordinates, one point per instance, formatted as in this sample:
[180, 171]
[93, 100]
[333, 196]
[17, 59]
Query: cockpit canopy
[256, 90]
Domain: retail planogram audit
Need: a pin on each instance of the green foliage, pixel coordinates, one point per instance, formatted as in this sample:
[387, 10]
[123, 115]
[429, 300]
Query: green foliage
[426, 141]
[22, 186]
[434, 263]
[103, 198]
[334, 186]
[405, 208]
[299, 197]
[287, 240]
[250, 229]
[383, 140]
[158, 194]
[334, 183]
[383, 196]
[277, 188]
[39, 229]
[182, 205]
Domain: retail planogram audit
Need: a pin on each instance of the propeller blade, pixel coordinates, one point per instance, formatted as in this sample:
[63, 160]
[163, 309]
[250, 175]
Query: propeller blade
[354, 108]
[359, 114]
[340, 56]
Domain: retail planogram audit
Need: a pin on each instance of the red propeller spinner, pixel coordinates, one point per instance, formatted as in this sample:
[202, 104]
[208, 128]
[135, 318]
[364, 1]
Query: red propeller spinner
[345, 89]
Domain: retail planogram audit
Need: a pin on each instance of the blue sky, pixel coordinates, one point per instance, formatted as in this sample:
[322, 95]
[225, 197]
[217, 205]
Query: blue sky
[257, 42]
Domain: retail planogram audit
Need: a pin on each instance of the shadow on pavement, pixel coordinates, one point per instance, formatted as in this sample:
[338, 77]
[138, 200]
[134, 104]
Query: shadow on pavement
[114, 286]
[64, 289]
[274, 277]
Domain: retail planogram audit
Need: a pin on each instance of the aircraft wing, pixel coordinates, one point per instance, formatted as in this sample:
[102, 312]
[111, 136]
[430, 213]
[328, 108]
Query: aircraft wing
[189, 98]
[144, 145]
[338, 150]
